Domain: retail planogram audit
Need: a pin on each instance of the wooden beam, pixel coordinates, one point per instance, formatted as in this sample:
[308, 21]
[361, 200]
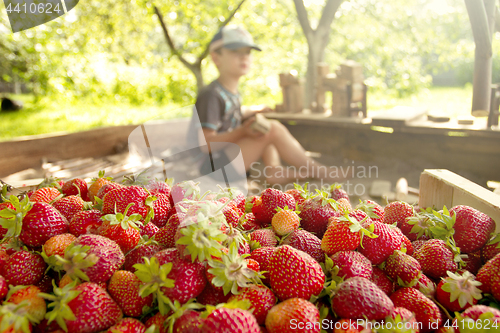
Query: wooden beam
[440, 188]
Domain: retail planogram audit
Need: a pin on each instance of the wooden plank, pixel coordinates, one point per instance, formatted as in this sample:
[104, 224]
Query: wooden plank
[440, 188]
[398, 116]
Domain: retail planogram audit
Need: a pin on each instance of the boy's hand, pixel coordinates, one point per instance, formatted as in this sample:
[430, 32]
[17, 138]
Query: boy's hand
[248, 130]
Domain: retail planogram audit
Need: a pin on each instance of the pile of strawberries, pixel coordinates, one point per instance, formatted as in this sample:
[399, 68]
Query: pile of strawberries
[156, 257]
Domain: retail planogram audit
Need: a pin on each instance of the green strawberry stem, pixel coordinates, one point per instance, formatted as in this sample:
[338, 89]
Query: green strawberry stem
[123, 220]
[61, 312]
[75, 261]
[16, 317]
[12, 219]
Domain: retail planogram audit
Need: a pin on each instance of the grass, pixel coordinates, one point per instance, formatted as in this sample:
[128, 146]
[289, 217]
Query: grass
[52, 116]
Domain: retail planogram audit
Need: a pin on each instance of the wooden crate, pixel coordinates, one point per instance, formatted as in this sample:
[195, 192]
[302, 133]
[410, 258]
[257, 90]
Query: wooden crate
[440, 187]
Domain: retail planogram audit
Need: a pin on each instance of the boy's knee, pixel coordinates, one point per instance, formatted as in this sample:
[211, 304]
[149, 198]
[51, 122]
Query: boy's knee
[277, 127]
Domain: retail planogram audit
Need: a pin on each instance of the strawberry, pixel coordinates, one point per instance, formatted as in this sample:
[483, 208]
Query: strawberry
[136, 256]
[162, 210]
[435, 258]
[159, 321]
[212, 295]
[127, 325]
[149, 230]
[23, 268]
[87, 308]
[45, 194]
[491, 249]
[472, 228]
[4, 287]
[373, 210]
[262, 299]
[292, 314]
[382, 281]
[35, 305]
[57, 244]
[122, 228]
[378, 249]
[185, 190]
[294, 273]
[97, 184]
[299, 193]
[305, 241]
[403, 269]
[488, 273]
[426, 311]
[85, 222]
[350, 326]
[262, 238]
[426, 286]
[33, 223]
[477, 316]
[473, 262]
[156, 186]
[76, 186]
[458, 292]
[232, 215]
[344, 206]
[399, 212]
[263, 255]
[124, 288]
[315, 212]
[69, 206]
[248, 222]
[166, 235]
[257, 209]
[229, 320]
[271, 200]
[105, 189]
[285, 221]
[337, 192]
[135, 197]
[186, 320]
[343, 234]
[358, 298]
[417, 245]
[351, 264]
[103, 252]
[400, 320]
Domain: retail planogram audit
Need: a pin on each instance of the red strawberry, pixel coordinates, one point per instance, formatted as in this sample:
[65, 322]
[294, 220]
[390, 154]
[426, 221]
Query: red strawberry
[35, 305]
[185, 190]
[136, 256]
[92, 307]
[315, 212]
[40, 223]
[124, 288]
[491, 249]
[458, 292]
[436, 258]
[478, 316]
[212, 296]
[148, 230]
[107, 188]
[299, 193]
[305, 241]
[248, 222]
[337, 192]
[127, 325]
[162, 210]
[4, 287]
[225, 320]
[69, 206]
[489, 272]
[403, 269]
[292, 314]
[189, 322]
[121, 198]
[359, 298]
[166, 235]
[23, 268]
[426, 286]
[45, 194]
[261, 298]
[294, 273]
[271, 200]
[378, 249]
[85, 222]
[263, 255]
[262, 238]
[402, 318]
[373, 210]
[382, 281]
[122, 229]
[58, 244]
[473, 262]
[76, 186]
[399, 212]
[426, 311]
[351, 264]
[417, 245]
[343, 234]
[108, 257]
[159, 321]
[472, 228]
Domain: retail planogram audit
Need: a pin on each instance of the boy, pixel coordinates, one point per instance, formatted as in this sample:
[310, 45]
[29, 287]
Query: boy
[222, 121]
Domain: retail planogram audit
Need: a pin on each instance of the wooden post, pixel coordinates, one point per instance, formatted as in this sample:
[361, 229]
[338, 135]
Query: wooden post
[481, 15]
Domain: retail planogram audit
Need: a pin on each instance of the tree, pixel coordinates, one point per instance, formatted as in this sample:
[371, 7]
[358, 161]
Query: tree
[317, 41]
[194, 66]
[482, 19]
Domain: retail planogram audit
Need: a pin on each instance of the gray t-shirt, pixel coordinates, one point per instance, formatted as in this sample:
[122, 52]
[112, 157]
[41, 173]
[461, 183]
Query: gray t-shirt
[217, 109]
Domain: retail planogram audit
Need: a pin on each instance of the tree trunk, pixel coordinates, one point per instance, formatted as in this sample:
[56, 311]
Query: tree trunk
[481, 15]
[317, 40]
